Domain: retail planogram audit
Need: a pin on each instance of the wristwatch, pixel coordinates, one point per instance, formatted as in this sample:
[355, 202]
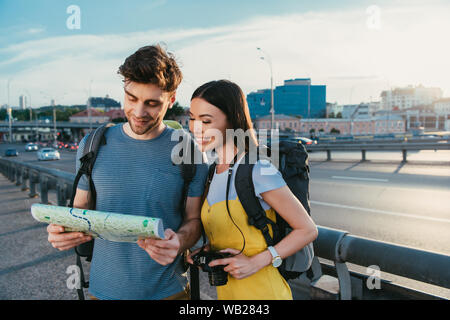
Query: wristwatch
[276, 261]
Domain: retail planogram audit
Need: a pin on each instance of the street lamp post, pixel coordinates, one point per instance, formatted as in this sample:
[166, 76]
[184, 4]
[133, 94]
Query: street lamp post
[10, 123]
[31, 110]
[54, 124]
[89, 113]
[54, 113]
[89, 106]
[309, 99]
[272, 109]
[9, 113]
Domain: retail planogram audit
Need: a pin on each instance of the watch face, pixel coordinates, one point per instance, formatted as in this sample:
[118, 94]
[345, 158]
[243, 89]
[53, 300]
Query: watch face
[277, 262]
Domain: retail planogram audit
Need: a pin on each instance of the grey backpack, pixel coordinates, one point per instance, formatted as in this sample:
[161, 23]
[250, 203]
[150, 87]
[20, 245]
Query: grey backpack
[293, 165]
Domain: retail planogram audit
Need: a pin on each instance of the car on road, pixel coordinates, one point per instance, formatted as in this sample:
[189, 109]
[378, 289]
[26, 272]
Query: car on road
[31, 147]
[72, 146]
[306, 141]
[11, 153]
[60, 145]
[48, 154]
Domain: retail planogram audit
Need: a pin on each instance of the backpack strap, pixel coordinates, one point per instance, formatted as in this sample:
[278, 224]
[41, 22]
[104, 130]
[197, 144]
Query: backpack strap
[90, 152]
[188, 168]
[245, 190]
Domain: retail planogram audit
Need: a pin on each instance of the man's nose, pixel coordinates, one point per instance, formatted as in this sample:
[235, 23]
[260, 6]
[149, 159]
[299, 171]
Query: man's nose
[139, 111]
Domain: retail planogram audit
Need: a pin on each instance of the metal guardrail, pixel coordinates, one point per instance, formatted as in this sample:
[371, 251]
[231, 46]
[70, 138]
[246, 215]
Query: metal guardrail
[336, 245]
[404, 147]
[43, 124]
[47, 179]
[341, 247]
[382, 141]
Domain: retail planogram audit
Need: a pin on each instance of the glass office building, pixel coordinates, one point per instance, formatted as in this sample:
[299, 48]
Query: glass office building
[292, 98]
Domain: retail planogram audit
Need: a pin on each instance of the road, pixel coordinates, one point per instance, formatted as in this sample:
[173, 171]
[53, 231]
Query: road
[407, 204]
[384, 201]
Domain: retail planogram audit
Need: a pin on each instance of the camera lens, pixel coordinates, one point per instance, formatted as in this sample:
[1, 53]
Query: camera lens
[218, 277]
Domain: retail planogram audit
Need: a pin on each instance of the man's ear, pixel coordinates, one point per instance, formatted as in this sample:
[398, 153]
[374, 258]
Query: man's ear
[173, 98]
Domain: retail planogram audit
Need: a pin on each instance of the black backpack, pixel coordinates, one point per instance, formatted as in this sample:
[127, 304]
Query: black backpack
[294, 167]
[93, 142]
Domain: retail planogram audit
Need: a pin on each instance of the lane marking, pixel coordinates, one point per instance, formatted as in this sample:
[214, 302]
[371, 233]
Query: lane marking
[398, 214]
[360, 179]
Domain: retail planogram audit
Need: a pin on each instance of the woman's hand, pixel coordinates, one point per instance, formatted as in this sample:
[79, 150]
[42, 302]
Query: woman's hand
[193, 253]
[240, 266]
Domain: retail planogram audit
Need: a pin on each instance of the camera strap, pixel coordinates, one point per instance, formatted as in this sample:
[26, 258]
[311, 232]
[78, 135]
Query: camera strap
[211, 171]
[230, 173]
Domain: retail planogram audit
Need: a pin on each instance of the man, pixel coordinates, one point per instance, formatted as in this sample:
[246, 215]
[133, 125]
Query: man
[134, 174]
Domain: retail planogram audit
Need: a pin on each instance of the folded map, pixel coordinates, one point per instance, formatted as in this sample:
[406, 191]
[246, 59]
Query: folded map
[99, 224]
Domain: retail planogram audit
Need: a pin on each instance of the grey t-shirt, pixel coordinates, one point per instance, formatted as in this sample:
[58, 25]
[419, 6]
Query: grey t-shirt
[137, 177]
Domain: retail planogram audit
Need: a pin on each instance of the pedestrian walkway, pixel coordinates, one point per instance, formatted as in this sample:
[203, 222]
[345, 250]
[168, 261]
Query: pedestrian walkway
[30, 268]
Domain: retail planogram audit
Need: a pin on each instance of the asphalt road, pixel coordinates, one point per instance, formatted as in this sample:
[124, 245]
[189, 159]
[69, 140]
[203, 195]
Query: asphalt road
[407, 204]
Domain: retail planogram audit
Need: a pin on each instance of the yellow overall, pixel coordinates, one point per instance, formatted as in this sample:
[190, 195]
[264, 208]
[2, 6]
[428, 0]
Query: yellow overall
[267, 283]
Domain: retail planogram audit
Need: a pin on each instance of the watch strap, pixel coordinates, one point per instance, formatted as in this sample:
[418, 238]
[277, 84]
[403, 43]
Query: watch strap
[273, 252]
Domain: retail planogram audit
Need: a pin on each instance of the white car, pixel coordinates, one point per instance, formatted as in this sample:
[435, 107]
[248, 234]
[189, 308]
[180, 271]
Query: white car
[48, 154]
[31, 147]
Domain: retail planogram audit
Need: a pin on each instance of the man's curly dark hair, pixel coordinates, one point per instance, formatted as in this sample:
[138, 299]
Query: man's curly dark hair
[152, 64]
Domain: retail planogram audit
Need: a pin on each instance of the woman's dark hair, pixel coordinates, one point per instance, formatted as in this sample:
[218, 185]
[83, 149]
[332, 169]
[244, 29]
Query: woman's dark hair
[229, 98]
[152, 64]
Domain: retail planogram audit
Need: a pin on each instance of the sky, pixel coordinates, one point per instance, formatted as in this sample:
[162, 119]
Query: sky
[355, 48]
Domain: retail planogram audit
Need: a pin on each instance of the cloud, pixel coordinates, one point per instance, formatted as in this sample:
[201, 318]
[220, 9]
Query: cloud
[34, 31]
[333, 48]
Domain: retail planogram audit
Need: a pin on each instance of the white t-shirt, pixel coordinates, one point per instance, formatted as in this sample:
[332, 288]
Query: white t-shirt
[265, 178]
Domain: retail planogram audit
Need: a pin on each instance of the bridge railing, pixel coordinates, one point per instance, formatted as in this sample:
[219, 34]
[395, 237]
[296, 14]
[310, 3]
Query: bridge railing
[329, 280]
[402, 147]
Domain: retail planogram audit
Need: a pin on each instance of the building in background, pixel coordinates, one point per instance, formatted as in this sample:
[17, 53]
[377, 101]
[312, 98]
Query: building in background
[104, 104]
[282, 122]
[115, 113]
[22, 102]
[442, 107]
[297, 97]
[356, 111]
[98, 116]
[183, 119]
[360, 126]
[83, 117]
[409, 97]
[334, 110]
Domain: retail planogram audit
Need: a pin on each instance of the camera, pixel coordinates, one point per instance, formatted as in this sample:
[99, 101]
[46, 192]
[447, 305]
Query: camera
[217, 276]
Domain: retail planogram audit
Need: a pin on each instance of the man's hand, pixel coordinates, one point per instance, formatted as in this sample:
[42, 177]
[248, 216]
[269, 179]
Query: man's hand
[162, 251]
[65, 241]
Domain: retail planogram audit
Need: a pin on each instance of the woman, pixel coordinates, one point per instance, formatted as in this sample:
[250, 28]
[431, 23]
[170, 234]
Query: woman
[216, 107]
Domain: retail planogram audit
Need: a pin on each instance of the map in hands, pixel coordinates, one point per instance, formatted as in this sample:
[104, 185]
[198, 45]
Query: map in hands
[99, 224]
